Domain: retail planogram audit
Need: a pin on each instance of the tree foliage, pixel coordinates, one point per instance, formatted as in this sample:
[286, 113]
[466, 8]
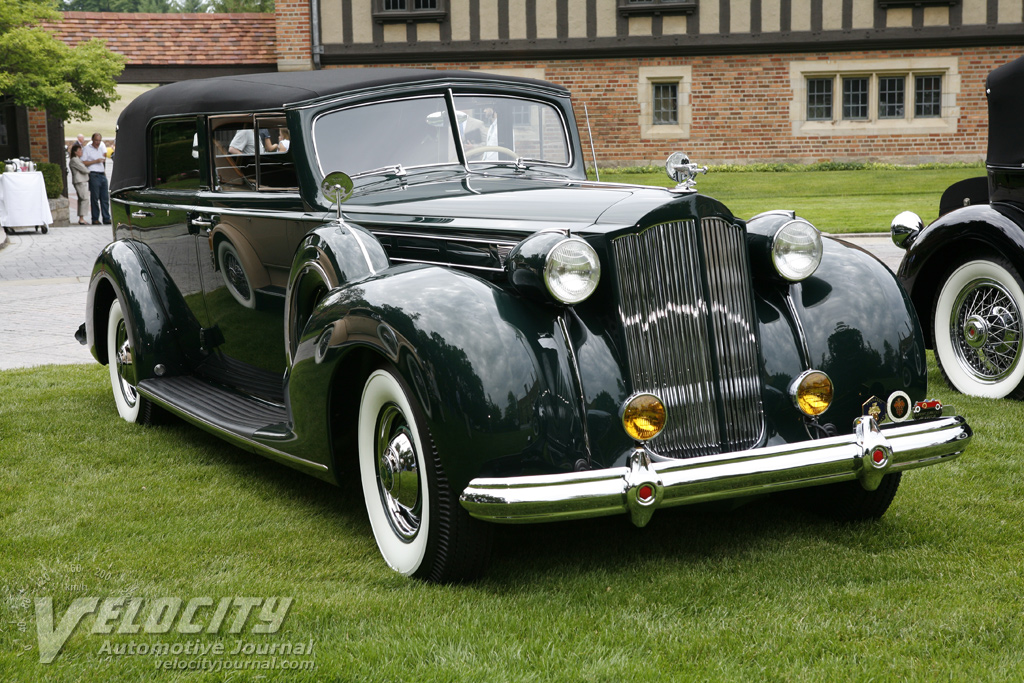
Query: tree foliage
[164, 6]
[39, 71]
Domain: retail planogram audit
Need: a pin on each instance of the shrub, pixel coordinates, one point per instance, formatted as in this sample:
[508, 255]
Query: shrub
[52, 177]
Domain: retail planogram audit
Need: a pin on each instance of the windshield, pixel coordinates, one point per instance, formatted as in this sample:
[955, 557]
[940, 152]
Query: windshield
[509, 128]
[414, 132]
[417, 132]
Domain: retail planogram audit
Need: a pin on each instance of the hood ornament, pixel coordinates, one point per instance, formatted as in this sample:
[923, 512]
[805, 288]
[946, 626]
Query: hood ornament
[680, 169]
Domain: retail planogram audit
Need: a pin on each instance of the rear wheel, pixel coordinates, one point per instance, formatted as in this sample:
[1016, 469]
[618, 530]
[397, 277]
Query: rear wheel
[420, 528]
[977, 327]
[121, 362]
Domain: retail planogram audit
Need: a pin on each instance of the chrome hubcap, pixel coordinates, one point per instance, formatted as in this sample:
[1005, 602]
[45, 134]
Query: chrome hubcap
[985, 327]
[125, 365]
[398, 476]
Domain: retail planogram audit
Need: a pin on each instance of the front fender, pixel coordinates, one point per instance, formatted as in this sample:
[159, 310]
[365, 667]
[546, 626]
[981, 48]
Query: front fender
[492, 372]
[948, 241]
[861, 329]
[162, 327]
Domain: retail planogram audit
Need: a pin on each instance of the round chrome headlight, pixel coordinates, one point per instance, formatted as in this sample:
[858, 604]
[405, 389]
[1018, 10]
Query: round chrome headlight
[796, 250]
[572, 271]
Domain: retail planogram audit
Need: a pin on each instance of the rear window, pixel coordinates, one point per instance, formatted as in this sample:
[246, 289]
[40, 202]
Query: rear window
[175, 155]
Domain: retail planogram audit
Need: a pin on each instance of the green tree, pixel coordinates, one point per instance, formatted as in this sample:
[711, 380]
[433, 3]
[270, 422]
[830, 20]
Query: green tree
[192, 6]
[242, 5]
[37, 70]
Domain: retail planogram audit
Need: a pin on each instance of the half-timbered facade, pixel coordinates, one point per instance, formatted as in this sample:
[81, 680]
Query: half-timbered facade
[727, 80]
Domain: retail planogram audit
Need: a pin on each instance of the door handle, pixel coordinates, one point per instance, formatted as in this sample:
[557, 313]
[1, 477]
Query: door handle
[194, 225]
[141, 214]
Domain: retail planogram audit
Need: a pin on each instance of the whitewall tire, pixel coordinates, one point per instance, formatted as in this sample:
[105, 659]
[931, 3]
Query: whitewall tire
[417, 522]
[977, 329]
[121, 357]
[392, 471]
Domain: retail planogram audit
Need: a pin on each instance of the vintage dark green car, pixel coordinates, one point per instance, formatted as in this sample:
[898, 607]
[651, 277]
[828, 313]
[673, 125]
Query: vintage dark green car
[405, 276]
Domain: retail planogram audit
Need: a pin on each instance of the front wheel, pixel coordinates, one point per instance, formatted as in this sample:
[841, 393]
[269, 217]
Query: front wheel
[849, 501]
[977, 329]
[420, 528]
[121, 357]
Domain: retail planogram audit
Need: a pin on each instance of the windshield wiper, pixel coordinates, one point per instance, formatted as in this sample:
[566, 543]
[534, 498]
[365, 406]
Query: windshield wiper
[394, 171]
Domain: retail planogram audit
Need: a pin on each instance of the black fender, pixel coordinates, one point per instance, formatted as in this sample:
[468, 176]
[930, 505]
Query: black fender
[953, 239]
[328, 257]
[160, 323]
[851, 319]
[492, 371]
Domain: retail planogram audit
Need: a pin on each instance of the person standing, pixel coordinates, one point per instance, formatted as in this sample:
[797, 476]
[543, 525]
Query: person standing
[80, 179]
[94, 156]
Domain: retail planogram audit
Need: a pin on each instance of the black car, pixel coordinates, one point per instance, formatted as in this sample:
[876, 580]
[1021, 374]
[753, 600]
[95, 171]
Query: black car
[404, 276]
[963, 271]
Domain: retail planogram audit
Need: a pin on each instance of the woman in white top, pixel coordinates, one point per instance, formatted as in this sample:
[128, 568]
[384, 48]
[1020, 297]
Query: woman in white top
[80, 179]
[284, 141]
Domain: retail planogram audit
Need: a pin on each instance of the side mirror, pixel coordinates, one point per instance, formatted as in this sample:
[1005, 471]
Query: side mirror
[337, 188]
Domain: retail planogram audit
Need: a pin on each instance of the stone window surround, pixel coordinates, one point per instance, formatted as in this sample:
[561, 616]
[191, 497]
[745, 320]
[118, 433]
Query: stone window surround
[682, 76]
[947, 67]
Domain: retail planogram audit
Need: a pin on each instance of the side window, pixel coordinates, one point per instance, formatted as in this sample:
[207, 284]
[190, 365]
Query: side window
[233, 145]
[175, 155]
[276, 164]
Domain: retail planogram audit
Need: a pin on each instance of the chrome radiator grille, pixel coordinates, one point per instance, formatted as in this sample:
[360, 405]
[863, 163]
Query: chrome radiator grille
[687, 311]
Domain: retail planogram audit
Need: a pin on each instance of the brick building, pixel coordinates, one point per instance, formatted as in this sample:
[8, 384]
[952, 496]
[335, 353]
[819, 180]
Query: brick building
[726, 80]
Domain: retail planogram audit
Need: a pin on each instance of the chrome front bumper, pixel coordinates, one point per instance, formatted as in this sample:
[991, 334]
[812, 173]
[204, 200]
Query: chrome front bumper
[644, 486]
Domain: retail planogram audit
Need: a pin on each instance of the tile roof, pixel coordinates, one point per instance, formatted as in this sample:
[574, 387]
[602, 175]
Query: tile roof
[176, 39]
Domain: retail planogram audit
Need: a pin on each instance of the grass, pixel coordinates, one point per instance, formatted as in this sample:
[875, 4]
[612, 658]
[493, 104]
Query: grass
[92, 506]
[842, 201]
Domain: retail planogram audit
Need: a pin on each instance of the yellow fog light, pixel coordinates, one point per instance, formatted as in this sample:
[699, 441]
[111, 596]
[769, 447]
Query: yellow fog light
[643, 416]
[812, 392]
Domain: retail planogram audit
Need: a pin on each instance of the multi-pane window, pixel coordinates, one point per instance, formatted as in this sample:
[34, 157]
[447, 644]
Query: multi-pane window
[874, 97]
[666, 104]
[890, 97]
[928, 96]
[393, 11]
[855, 98]
[403, 5]
[819, 99]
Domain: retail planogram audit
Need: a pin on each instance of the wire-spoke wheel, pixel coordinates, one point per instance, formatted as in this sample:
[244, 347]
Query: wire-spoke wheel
[420, 528]
[978, 328]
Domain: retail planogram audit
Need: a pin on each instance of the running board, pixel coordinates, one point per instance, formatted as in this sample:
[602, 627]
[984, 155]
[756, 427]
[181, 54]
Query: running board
[247, 422]
[202, 402]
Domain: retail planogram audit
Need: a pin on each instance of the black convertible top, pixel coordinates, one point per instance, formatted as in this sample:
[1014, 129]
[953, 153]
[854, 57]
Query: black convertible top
[255, 92]
[1005, 89]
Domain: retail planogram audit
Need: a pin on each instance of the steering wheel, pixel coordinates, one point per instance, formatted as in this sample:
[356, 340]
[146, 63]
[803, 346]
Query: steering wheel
[483, 149]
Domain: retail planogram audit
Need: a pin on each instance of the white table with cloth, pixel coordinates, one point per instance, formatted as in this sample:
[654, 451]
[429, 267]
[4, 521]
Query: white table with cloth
[23, 200]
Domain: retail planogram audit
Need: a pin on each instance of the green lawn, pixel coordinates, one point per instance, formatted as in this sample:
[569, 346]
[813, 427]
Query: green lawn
[834, 201]
[92, 506]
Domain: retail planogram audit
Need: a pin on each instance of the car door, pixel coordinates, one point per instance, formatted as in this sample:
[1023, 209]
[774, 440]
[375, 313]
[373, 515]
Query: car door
[247, 249]
[159, 214]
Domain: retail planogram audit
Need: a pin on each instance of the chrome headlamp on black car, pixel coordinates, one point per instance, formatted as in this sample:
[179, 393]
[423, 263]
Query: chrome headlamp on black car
[406, 278]
[785, 246]
[553, 266]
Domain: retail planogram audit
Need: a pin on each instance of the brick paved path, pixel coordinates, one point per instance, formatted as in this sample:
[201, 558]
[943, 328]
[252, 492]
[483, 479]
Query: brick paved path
[43, 285]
